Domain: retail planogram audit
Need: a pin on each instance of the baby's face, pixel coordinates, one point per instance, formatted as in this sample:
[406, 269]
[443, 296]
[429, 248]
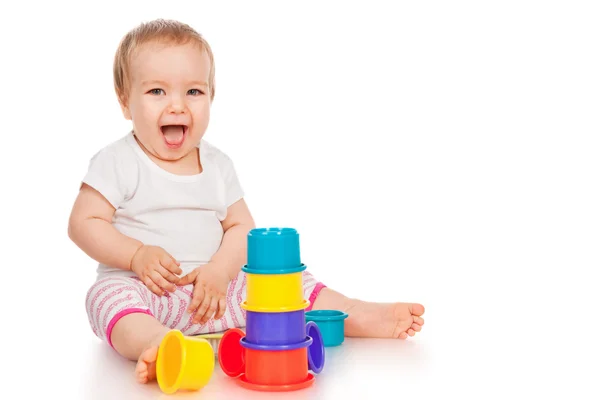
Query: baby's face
[169, 102]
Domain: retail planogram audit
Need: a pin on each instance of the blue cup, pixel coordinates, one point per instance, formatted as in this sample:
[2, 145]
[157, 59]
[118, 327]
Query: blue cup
[279, 328]
[273, 251]
[331, 325]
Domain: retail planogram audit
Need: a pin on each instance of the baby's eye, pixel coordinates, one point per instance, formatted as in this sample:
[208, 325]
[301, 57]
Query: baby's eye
[195, 92]
[156, 92]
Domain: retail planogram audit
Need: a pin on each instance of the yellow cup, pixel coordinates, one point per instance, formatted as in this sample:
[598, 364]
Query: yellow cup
[274, 292]
[183, 363]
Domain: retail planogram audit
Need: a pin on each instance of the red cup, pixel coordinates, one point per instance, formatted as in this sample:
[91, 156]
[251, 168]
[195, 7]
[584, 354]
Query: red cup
[231, 352]
[276, 368]
[283, 367]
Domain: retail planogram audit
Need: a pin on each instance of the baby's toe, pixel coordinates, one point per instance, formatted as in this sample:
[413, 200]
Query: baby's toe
[418, 320]
[142, 377]
[416, 327]
[417, 309]
[403, 335]
[141, 368]
[141, 372]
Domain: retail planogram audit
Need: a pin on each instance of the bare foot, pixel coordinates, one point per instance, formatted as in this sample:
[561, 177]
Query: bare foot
[145, 370]
[383, 320]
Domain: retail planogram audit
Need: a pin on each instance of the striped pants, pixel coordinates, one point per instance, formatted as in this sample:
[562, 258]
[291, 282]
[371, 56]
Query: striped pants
[113, 297]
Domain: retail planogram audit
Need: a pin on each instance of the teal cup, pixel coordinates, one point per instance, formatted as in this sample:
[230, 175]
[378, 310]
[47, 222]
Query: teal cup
[273, 251]
[331, 325]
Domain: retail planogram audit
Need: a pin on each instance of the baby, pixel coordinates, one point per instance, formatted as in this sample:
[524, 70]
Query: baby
[163, 213]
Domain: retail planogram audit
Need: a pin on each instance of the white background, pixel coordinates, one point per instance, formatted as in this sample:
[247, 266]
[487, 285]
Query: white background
[439, 152]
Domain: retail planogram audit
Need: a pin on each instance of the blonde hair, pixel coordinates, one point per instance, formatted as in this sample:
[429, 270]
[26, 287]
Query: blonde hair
[160, 31]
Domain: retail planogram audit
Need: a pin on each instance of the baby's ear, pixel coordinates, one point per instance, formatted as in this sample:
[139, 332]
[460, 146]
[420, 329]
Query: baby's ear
[126, 113]
[125, 109]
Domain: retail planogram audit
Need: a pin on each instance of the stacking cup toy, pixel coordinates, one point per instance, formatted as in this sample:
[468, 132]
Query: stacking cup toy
[183, 363]
[274, 293]
[273, 251]
[275, 328]
[279, 347]
[231, 352]
[271, 367]
[276, 365]
[316, 352]
[331, 325]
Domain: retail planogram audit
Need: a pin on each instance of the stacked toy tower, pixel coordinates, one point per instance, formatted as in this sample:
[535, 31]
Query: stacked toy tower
[279, 347]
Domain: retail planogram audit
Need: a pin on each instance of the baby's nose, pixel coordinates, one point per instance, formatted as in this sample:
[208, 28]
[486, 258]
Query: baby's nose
[177, 106]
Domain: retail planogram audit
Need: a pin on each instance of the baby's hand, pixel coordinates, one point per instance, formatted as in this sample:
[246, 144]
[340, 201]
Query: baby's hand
[156, 268]
[210, 286]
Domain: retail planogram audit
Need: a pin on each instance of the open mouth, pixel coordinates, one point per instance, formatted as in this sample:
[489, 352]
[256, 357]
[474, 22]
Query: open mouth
[174, 135]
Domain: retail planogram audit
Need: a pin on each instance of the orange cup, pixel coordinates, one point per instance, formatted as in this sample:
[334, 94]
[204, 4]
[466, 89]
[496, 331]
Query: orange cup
[284, 367]
[265, 367]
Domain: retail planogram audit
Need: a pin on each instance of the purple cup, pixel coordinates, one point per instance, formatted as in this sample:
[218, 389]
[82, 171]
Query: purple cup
[275, 329]
[306, 342]
[316, 350]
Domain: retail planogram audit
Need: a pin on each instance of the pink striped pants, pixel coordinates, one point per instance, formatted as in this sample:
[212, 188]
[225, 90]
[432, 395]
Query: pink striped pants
[113, 297]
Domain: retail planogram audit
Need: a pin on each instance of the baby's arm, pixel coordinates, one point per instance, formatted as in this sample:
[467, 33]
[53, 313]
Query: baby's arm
[90, 228]
[232, 253]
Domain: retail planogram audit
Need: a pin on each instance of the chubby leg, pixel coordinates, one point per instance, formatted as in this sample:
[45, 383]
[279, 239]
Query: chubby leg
[137, 336]
[376, 320]
[121, 311]
[365, 319]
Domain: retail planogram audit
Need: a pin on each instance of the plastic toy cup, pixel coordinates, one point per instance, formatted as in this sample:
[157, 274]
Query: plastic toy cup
[231, 353]
[270, 293]
[331, 325]
[273, 251]
[183, 363]
[275, 328]
[276, 365]
[316, 351]
[271, 368]
[300, 306]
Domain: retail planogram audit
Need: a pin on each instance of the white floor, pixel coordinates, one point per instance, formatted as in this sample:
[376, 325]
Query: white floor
[351, 369]
[481, 354]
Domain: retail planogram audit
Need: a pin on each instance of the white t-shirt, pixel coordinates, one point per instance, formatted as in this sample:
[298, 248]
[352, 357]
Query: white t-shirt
[181, 214]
